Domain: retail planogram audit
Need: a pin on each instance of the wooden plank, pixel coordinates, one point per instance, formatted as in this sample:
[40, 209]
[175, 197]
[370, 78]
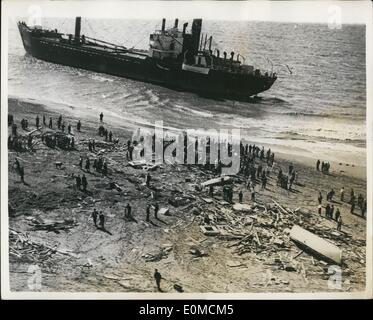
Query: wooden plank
[216, 181]
[316, 244]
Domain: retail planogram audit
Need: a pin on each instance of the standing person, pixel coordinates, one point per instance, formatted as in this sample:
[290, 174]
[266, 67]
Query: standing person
[84, 183]
[78, 126]
[240, 196]
[110, 136]
[94, 217]
[128, 211]
[253, 194]
[156, 209]
[101, 218]
[339, 223]
[81, 163]
[147, 179]
[331, 211]
[364, 208]
[320, 197]
[327, 210]
[319, 209]
[158, 277]
[318, 165]
[50, 123]
[78, 182]
[87, 165]
[22, 174]
[69, 128]
[352, 195]
[147, 212]
[44, 120]
[337, 214]
[342, 193]
[352, 206]
[101, 117]
[59, 121]
[37, 121]
[211, 191]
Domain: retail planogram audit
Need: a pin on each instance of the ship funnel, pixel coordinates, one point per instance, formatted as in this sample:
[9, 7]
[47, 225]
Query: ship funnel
[196, 34]
[163, 24]
[77, 29]
[184, 27]
[176, 23]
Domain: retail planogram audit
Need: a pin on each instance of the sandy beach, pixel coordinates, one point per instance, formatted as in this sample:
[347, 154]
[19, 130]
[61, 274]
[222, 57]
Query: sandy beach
[84, 258]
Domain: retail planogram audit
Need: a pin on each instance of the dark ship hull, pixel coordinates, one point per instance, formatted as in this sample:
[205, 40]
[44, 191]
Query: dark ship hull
[137, 65]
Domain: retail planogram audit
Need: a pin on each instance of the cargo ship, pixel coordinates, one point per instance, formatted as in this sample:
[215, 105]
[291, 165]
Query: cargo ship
[176, 59]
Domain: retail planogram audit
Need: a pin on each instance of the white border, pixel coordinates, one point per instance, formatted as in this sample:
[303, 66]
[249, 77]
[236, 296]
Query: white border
[352, 11]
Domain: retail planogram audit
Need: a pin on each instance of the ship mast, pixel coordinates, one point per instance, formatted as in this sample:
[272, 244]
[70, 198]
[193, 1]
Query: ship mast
[77, 30]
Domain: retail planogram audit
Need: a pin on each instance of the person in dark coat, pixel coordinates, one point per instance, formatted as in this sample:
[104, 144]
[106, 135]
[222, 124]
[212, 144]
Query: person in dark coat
[101, 117]
[78, 126]
[156, 209]
[101, 217]
[78, 182]
[94, 217]
[158, 277]
[147, 213]
[87, 165]
[84, 182]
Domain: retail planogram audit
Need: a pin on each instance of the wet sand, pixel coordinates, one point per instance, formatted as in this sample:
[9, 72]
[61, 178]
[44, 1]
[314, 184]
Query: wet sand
[98, 261]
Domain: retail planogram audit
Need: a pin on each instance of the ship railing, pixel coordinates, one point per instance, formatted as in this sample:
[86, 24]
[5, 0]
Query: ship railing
[107, 44]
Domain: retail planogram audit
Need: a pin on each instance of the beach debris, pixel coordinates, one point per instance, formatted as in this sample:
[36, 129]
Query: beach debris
[210, 230]
[180, 200]
[22, 248]
[315, 244]
[50, 225]
[216, 181]
[178, 288]
[197, 252]
[157, 255]
[164, 211]
[114, 185]
[242, 207]
[234, 264]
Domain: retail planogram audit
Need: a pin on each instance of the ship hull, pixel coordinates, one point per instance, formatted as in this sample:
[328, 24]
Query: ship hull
[216, 84]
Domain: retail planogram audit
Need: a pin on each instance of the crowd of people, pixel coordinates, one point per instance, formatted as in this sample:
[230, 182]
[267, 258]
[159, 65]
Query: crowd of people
[323, 166]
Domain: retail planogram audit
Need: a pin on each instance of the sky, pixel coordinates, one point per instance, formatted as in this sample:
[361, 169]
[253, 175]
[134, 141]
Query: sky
[279, 11]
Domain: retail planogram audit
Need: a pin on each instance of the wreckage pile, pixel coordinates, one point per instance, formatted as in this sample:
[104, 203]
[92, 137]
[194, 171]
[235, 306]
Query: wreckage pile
[50, 225]
[23, 249]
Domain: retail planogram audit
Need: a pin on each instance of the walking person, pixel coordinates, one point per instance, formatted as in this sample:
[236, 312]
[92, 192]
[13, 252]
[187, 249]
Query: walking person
[84, 183]
[156, 209]
[158, 277]
[342, 193]
[101, 218]
[78, 182]
[22, 174]
[339, 223]
[94, 217]
[147, 212]
[87, 165]
[320, 197]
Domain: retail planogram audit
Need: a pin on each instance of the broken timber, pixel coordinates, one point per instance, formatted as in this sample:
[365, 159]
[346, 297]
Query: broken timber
[316, 244]
[216, 181]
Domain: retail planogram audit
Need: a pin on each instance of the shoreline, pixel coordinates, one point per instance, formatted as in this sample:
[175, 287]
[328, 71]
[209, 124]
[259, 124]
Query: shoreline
[286, 153]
